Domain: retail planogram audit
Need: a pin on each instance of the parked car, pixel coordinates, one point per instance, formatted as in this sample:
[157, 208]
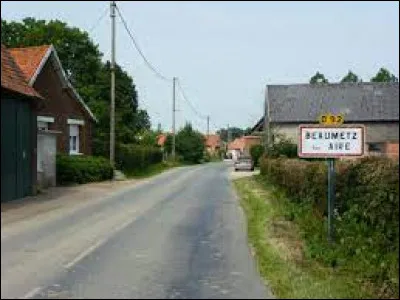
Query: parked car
[244, 163]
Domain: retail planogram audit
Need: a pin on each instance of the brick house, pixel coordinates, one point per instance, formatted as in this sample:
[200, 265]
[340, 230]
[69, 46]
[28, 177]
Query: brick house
[19, 103]
[62, 109]
[241, 146]
[213, 143]
[375, 105]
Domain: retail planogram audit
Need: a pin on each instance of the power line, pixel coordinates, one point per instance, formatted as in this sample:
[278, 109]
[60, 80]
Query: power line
[158, 74]
[98, 20]
[190, 104]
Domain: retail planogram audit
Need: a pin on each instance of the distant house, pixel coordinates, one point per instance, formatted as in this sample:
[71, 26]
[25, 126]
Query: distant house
[161, 140]
[241, 146]
[213, 143]
[375, 105]
[19, 103]
[63, 109]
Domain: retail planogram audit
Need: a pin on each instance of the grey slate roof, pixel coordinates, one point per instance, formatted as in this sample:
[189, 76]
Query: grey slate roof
[358, 102]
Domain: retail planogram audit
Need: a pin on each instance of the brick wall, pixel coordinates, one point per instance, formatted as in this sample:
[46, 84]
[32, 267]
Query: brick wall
[392, 149]
[60, 104]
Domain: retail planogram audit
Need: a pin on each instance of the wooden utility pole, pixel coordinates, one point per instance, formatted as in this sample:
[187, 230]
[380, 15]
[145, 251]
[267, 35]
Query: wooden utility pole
[112, 108]
[173, 117]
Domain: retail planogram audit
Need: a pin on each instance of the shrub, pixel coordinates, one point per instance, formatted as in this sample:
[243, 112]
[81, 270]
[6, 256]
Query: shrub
[82, 169]
[302, 178]
[131, 157]
[366, 215]
[190, 144]
[256, 151]
[207, 157]
[283, 147]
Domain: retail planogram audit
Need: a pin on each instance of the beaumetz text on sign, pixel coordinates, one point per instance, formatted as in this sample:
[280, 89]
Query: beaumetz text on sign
[323, 141]
[336, 138]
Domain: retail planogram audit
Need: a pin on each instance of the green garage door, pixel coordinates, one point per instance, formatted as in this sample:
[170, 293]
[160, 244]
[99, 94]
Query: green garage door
[16, 149]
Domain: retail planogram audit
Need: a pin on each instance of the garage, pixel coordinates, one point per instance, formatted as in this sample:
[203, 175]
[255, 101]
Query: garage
[18, 131]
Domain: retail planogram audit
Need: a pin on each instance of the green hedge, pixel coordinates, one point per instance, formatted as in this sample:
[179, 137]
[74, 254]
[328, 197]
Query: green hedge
[82, 169]
[366, 212]
[256, 151]
[305, 179]
[130, 157]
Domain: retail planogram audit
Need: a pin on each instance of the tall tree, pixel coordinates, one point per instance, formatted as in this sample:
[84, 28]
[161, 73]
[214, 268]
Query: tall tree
[128, 119]
[75, 49]
[235, 132]
[81, 60]
[350, 77]
[384, 75]
[318, 78]
[190, 144]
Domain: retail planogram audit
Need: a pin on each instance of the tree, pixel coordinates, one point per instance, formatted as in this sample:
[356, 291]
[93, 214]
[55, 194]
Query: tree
[235, 132]
[384, 75]
[247, 131]
[168, 144]
[129, 120]
[75, 49]
[318, 78]
[190, 144]
[81, 60]
[147, 138]
[256, 151]
[350, 77]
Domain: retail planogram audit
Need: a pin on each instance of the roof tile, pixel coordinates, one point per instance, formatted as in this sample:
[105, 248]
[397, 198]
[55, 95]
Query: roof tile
[29, 58]
[12, 78]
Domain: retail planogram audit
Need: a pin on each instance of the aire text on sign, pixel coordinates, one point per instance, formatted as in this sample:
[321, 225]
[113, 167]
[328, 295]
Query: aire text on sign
[331, 141]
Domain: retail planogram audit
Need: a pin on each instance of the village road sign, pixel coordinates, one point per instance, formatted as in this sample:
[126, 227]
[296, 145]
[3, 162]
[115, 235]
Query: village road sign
[322, 141]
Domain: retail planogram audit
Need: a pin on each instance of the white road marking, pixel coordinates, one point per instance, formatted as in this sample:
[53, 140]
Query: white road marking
[96, 245]
[32, 293]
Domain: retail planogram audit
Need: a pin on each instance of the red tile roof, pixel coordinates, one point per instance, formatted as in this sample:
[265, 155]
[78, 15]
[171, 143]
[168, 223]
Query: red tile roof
[242, 142]
[12, 78]
[29, 58]
[236, 144]
[213, 140]
[161, 139]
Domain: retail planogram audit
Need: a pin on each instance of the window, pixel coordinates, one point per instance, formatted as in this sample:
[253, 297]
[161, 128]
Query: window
[375, 147]
[73, 139]
[43, 125]
[43, 122]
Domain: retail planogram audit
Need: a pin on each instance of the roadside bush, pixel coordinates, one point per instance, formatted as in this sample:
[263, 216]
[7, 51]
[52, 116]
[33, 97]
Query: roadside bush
[282, 148]
[307, 180]
[132, 157]
[206, 157]
[82, 169]
[256, 151]
[366, 213]
[190, 145]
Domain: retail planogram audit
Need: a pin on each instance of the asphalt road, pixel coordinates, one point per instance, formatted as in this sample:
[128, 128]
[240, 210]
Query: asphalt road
[179, 235]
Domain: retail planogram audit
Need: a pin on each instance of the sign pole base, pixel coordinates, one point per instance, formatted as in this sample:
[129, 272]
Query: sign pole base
[331, 197]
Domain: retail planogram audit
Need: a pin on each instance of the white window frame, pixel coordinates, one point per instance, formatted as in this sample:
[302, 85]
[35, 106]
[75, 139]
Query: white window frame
[44, 126]
[75, 122]
[43, 122]
[74, 132]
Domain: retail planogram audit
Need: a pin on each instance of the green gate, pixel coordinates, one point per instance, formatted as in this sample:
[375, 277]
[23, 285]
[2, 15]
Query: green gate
[16, 148]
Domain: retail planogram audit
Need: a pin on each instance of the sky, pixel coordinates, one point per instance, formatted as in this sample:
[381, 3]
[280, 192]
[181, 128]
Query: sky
[224, 53]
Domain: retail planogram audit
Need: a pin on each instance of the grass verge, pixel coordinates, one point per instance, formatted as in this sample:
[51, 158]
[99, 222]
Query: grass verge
[279, 247]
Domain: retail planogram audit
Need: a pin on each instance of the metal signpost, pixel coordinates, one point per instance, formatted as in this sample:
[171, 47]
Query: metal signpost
[331, 139]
